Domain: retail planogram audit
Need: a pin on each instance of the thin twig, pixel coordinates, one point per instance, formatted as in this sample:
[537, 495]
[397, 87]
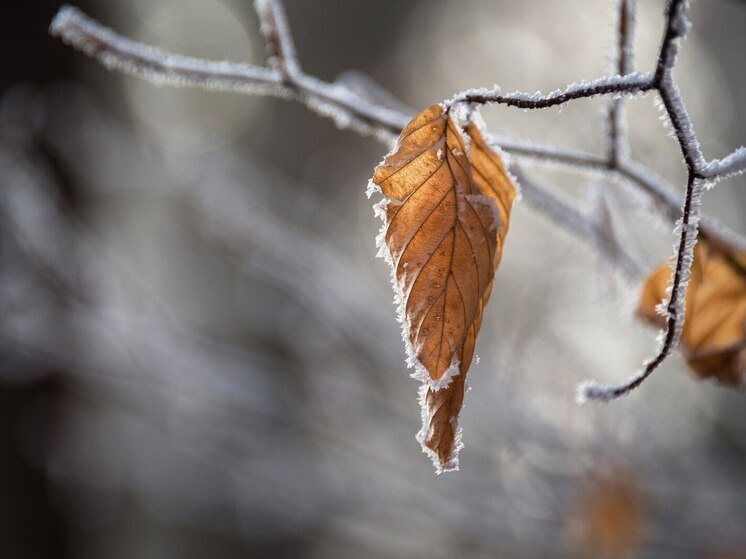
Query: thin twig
[279, 41]
[732, 164]
[583, 225]
[591, 391]
[609, 238]
[618, 148]
[627, 84]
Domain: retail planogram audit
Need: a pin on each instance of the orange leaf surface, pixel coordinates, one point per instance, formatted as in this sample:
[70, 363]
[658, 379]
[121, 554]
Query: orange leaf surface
[445, 219]
[713, 338]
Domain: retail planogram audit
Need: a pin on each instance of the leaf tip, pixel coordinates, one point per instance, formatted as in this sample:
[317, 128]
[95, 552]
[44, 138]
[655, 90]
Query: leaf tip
[444, 459]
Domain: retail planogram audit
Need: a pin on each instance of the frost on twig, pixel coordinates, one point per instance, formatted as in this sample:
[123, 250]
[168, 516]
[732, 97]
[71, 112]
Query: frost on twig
[116, 52]
[733, 164]
[162, 68]
[675, 309]
[628, 84]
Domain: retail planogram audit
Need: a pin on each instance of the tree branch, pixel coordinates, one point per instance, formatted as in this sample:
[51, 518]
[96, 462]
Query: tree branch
[349, 109]
[630, 172]
[591, 391]
[628, 84]
[688, 226]
[335, 101]
[732, 164]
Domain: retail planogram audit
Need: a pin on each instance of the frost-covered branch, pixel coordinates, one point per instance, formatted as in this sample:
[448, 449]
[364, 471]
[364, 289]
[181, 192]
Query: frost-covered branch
[335, 101]
[628, 84]
[349, 108]
[362, 113]
[663, 194]
[676, 29]
[675, 309]
[120, 53]
[732, 164]
[677, 26]
[279, 41]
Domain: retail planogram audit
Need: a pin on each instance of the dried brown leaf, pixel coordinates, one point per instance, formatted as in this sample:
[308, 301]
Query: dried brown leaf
[713, 338]
[445, 219]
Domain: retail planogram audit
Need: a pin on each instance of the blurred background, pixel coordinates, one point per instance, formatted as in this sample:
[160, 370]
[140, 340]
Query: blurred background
[199, 355]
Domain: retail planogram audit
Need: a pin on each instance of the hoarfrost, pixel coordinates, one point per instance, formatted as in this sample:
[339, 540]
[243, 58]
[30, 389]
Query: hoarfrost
[372, 189]
[159, 67]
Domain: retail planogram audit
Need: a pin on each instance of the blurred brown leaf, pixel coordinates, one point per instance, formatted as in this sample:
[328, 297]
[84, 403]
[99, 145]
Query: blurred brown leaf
[713, 339]
[611, 514]
[445, 221]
